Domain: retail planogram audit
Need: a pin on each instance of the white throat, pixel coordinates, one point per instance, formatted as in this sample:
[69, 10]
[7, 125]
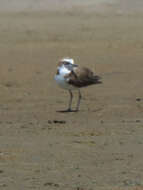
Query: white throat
[60, 78]
[63, 70]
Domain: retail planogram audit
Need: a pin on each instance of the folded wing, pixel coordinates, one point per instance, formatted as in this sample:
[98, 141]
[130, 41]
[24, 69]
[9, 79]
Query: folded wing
[81, 77]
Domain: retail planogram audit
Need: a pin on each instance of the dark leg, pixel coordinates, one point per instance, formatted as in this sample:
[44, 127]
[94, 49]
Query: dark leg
[70, 101]
[79, 98]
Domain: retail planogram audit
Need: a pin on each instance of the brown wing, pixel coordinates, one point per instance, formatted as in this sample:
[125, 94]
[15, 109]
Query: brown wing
[81, 77]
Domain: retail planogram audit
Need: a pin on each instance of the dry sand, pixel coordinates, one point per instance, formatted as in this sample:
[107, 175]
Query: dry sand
[100, 147]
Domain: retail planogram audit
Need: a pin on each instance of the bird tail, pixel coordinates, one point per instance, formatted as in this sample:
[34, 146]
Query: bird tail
[97, 79]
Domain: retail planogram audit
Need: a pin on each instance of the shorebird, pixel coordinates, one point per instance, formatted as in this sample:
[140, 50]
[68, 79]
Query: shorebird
[71, 77]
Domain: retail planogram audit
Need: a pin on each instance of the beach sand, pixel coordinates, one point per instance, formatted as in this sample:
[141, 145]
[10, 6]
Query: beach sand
[100, 147]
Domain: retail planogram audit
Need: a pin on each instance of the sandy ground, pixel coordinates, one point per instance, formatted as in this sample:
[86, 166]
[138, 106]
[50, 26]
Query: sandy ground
[100, 147]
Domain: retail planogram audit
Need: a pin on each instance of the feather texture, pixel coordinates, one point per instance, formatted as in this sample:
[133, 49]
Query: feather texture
[81, 77]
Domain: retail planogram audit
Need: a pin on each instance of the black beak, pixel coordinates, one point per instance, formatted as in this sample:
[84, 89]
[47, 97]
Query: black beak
[75, 65]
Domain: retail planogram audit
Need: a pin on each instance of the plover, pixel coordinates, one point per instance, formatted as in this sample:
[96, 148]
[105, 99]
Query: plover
[71, 77]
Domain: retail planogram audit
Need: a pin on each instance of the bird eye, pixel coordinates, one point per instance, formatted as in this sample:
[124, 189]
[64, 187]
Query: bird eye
[66, 63]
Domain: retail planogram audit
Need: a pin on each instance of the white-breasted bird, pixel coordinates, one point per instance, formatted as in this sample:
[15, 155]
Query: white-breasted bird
[70, 76]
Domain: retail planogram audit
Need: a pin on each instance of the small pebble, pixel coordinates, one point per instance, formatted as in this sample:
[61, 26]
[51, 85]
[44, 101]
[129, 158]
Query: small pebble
[51, 184]
[56, 121]
[59, 121]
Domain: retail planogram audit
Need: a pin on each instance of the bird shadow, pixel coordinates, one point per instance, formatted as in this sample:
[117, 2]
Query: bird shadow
[66, 111]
